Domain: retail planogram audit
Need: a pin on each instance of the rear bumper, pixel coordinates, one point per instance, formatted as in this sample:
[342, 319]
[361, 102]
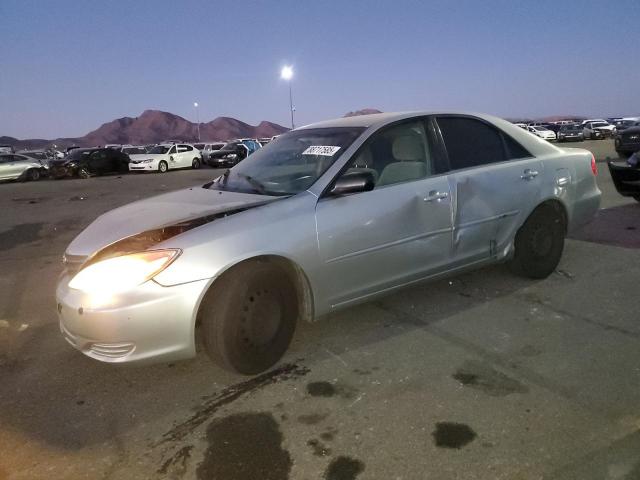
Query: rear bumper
[625, 178]
[149, 324]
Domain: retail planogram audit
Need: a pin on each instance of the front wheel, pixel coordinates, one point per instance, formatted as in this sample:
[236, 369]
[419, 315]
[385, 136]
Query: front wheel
[195, 164]
[539, 243]
[249, 317]
[84, 173]
[163, 167]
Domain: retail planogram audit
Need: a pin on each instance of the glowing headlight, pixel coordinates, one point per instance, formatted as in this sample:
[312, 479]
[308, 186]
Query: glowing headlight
[122, 273]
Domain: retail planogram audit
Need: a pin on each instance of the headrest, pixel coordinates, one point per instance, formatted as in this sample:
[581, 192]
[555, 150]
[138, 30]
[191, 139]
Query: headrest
[408, 148]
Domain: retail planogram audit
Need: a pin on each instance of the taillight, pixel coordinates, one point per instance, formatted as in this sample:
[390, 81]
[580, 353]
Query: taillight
[594, 167]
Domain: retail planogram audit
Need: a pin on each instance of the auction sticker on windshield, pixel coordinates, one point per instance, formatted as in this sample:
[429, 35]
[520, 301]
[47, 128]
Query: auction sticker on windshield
[327, 151]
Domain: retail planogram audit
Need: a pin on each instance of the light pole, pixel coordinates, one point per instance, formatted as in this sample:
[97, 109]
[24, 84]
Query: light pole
[287, 74]
[195, 104]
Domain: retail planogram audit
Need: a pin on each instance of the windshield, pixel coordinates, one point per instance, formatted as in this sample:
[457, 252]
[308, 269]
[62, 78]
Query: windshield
[571, 128]
[199, 146]
[290, 164]
[599, 124]
[159, 149]
[230, 146]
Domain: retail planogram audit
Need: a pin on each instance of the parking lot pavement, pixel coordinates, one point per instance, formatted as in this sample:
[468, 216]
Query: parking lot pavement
[482, 376]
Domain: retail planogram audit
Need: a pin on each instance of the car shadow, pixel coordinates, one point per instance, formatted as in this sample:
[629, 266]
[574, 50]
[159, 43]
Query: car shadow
[617, 226]
[52, 393]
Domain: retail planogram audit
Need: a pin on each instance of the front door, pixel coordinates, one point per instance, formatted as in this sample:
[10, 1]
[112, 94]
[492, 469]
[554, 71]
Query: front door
[398, 232]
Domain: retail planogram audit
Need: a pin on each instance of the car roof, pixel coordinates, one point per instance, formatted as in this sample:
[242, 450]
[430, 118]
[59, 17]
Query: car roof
[537, 146]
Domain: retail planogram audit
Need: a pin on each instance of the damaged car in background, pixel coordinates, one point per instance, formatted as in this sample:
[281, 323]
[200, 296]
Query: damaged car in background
[14, 166]
[328, 216]
[87, 162]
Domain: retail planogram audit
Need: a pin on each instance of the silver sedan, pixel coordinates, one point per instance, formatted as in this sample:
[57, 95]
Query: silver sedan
[323, 217]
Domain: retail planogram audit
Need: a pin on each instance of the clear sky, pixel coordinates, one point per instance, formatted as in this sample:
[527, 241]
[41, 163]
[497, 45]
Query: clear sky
[69, 66]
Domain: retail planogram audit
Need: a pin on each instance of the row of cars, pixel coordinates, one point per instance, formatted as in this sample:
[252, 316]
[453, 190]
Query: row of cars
[86, 162]
[594, 129]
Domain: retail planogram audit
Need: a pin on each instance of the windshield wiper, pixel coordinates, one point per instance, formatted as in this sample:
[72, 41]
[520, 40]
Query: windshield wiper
[257, 186]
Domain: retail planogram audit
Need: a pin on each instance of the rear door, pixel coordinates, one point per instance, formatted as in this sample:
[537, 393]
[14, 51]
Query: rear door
[495, 184]
[396, 233]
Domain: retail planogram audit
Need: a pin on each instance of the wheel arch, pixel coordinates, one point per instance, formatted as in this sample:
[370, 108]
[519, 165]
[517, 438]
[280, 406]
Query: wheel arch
[557, 205]
[304, 293]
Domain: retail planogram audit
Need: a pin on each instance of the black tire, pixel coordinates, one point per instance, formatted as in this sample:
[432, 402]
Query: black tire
[539, 243]
[33, 175]
[163, 167]
[249, 317]
[195, 164]
[83, 173]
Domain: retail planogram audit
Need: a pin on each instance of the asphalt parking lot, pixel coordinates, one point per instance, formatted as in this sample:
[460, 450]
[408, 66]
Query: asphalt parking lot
[482, 376]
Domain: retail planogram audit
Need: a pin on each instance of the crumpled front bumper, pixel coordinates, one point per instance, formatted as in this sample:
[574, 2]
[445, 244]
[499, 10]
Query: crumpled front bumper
[149, 324]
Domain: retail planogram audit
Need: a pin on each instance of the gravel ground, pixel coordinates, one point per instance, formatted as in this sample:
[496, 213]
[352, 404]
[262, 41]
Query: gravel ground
[482, 376]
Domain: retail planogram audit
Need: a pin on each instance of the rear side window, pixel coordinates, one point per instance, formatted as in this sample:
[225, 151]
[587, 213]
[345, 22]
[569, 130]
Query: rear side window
[514, 149]
[470, 142]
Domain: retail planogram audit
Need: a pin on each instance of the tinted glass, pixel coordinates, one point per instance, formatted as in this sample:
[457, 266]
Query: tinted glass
[159, 149]
[514, 149]
[470, 142]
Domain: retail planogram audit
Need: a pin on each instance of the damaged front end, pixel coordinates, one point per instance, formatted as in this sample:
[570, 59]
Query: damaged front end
[149, 238]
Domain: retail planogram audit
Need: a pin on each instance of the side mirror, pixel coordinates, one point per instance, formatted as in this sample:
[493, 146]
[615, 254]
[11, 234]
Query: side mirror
[171, 158]
[354, 182]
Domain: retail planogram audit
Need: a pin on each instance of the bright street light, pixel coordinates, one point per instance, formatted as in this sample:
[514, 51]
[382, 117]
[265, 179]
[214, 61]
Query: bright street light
[195, 104]
[287, 74]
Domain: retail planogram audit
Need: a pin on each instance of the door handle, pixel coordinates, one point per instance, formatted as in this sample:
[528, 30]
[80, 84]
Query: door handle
[435, 195]
[529, 174]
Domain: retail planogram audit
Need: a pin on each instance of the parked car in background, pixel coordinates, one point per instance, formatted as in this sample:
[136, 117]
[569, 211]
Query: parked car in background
[115, 146]
[626, 175]
[6, 149]
[165, 157]
[591, 128]
[41, 155]
[87, 162]
[233, 152]
[521, 125]
[542, 132]
[134, 149]
[14, 166]
[627, 141]
[328, 216]
[569, 133]
[207, 148]
[625, 123]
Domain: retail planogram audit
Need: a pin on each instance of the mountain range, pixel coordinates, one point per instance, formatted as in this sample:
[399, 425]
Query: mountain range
[154, 126]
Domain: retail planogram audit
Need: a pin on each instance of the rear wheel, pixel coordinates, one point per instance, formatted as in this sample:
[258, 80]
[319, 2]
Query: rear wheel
[195, 164]
[249, 317]
[539, 243]
[163, 167]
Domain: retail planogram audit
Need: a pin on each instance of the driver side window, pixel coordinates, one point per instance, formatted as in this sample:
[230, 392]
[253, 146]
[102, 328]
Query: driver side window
[397, 154]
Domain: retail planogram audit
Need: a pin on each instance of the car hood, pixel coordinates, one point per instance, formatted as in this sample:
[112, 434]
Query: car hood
[164, 212]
